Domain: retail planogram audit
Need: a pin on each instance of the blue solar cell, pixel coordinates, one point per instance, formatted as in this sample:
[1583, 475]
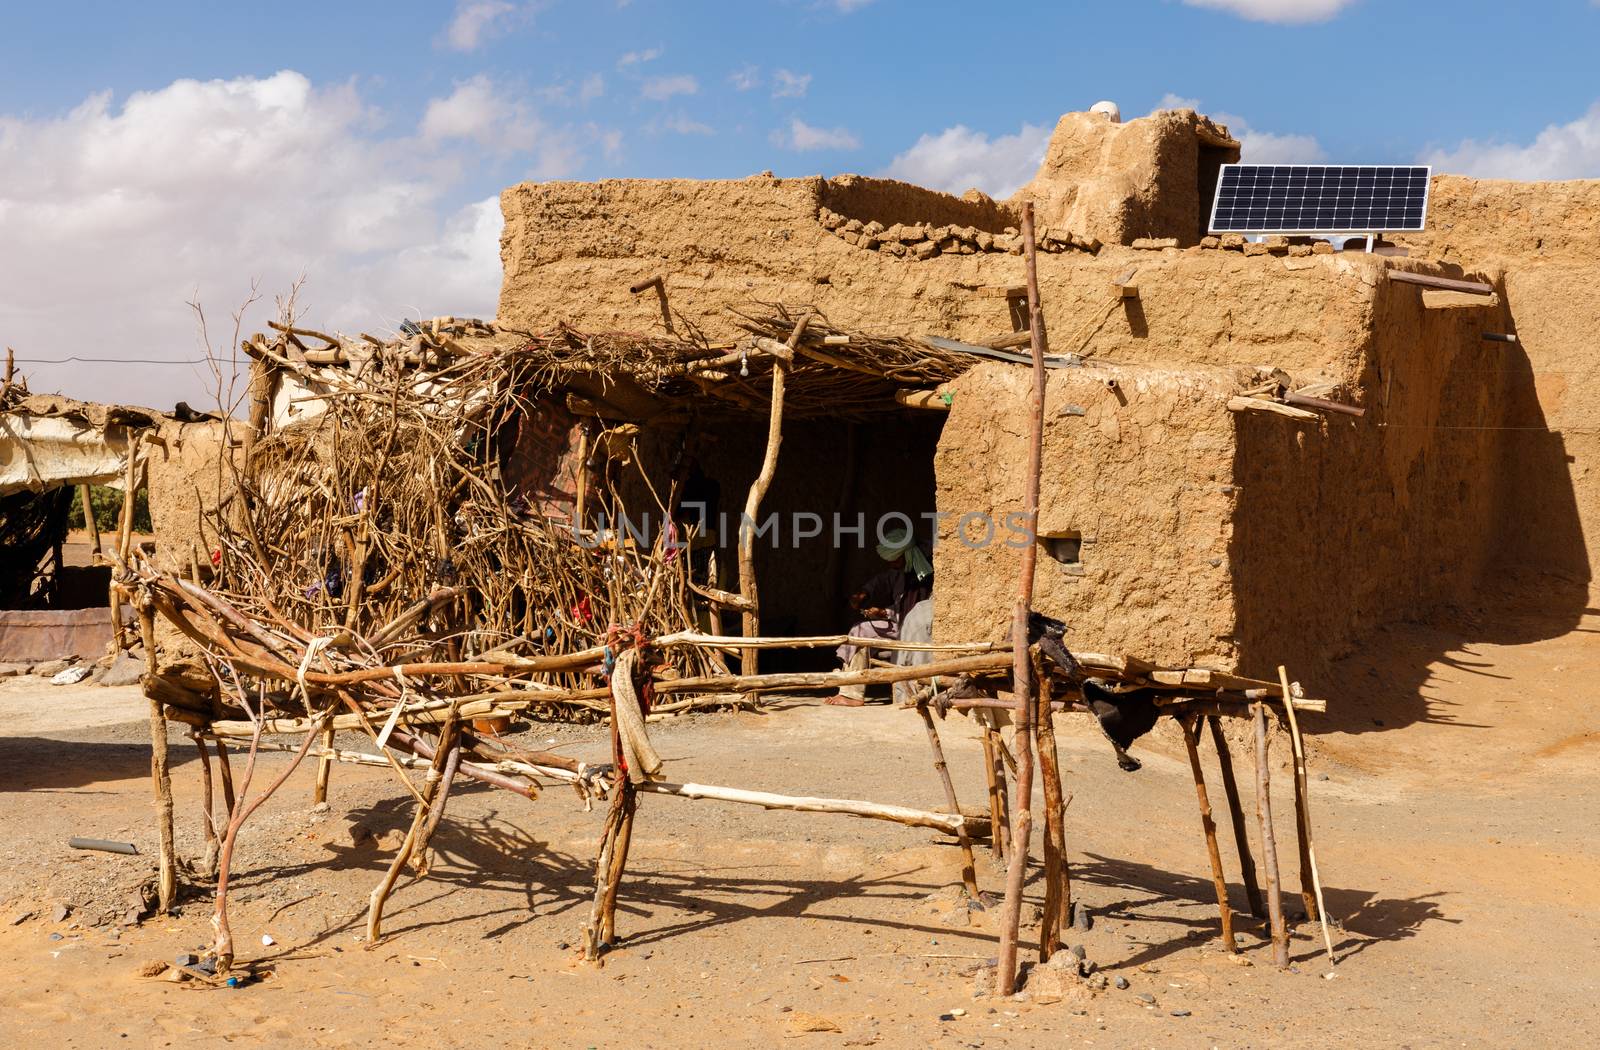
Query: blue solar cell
[1306, 198]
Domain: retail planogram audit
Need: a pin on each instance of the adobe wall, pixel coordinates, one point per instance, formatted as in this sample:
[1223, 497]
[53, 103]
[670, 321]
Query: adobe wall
[1144, 476]
[872, 254]
[1539, 243]
[1242, 540]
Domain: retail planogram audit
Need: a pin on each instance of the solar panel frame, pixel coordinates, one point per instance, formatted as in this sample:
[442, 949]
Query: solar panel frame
[1341, 218]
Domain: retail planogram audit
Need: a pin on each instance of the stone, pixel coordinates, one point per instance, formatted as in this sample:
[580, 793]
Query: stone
[852, 226]
[1299, 250]
[1146, 997]
[1080, 951]
[926, 250]
[983, 981]
[60, 912]
[1121, 983]
[1180, 1013]
[12, 670]
[1233, 241]
[1255, 248]
[1322, 248]
[802, 1023]
[1211, 242]
[873, 228]
[1154, 243]
[124, 670]
[51, 668]
[913, 234]
[986, 242]
[19, 918]
[1081, 919]
[1052, 984]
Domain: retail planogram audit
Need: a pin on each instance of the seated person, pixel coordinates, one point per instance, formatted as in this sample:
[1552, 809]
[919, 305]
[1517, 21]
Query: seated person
[882, 605]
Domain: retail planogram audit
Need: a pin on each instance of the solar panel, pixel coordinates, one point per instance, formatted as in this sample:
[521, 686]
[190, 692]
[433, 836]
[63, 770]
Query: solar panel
[1320, 198]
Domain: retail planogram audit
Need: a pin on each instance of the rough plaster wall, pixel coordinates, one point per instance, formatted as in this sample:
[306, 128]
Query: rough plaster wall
[1482, 224]
[1143, 475]
[1551, 469]
[1344, 524]
[1117, 182]
[187, 476]
[571, 250]
[1540, 242]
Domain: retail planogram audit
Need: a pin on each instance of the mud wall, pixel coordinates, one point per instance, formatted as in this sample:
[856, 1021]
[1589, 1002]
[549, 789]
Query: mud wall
[1142, 477]
[1539, 242]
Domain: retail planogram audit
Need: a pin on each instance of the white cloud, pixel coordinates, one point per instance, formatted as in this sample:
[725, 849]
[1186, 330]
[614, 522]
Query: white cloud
[113, 217]
[1560, 151]
[681, 124]
[745, 78]
[1256, 147]
[594, 85]
[475, 21]
[659, 89]
[635, 58]
[1288, 12]
[958, 158]
[847, 6]
[802, 137]
[789, 85]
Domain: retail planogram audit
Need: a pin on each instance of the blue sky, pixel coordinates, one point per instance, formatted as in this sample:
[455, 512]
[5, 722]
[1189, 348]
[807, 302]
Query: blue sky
[152, 153]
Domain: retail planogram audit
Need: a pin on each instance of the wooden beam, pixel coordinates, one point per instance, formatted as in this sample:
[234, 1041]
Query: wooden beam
[1446, 299]
[1428, 280]
[937, 399]
[1323, 404]
[1256, 404]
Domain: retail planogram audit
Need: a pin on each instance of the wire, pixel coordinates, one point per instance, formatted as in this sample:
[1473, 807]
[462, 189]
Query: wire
[112, 360]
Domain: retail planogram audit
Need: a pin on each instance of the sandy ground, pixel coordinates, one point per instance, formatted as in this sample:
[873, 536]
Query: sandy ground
[1458, 842]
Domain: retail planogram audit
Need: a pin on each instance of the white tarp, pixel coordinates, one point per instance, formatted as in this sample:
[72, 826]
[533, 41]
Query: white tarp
[43, 452]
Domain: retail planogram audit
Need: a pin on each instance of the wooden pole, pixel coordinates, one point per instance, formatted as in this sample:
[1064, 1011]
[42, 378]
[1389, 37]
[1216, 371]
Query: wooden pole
[319, 796]
[1269, 844]
[1021, 670]
[89, 523]
[969, 874]
[619, 863]
[999, 813]
[752, 504]
[213, 844]
[1057, 877]
[1241, 836]
[1302, 813]
[430, 787]
[160, 773]
[1209, 826]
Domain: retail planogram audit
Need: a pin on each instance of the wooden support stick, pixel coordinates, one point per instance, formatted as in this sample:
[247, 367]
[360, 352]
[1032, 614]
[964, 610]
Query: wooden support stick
[319, 795]
[1241, 836]
[999, 818]
[89, 522]
[1269, 843]
[758, 492]
[160, 774]
[1057, 877]
[430, 787]
[659, 283]
[593, 934]
[1310, 880]
[1428, 280]
[1209, 826]
[207, 813]
[619, 863]
[1022, 670]
[969, 874]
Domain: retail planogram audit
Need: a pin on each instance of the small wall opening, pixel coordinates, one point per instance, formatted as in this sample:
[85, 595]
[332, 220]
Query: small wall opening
[1065, 548]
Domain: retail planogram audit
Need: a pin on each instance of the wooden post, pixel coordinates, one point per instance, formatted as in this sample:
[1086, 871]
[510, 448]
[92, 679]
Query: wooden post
[90, 524]
[969, 874]
[1269, 844]
[999, 813]
[262, 376]
[1241, 836]
[752, 503]
[213, 844]
[1209, 826]
[319, 795]
[659, 283]
[619, 863]
[430, 787]
[160, 774]
[1022, 685]
[1310, 880]
[1057, 877]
